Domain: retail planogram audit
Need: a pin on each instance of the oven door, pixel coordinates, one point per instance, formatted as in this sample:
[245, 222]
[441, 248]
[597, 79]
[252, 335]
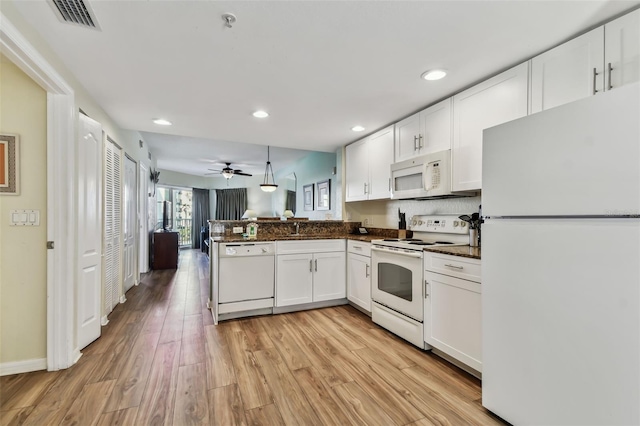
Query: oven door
[397, 280]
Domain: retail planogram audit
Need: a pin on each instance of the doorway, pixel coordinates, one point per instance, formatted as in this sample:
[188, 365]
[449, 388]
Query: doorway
[182, 202]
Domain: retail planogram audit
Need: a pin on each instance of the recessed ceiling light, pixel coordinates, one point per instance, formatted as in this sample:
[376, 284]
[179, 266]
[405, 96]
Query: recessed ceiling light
[433, 74]
[260, 114]
[162, 122]
[357, 128]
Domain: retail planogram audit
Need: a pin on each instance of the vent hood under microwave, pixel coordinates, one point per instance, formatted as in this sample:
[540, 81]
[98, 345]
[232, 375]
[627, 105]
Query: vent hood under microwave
[426, 176]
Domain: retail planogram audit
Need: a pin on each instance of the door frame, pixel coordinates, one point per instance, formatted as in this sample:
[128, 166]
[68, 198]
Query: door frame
[134, 221]
[143, 220]
[62, 348]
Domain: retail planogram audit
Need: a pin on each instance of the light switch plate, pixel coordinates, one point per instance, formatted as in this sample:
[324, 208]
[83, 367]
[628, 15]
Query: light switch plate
[24, 218]
[237, 229]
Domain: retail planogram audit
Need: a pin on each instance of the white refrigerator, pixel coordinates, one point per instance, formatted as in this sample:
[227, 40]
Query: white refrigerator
[561, 264]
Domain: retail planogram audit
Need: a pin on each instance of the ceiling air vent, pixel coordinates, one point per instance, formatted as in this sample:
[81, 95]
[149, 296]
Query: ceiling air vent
[76, 12]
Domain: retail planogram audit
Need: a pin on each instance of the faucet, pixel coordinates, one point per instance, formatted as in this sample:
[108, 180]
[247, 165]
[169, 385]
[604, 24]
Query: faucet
[297, 225]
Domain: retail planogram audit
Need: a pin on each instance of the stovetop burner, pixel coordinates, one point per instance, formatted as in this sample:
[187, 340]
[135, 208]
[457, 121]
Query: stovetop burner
[401, 239]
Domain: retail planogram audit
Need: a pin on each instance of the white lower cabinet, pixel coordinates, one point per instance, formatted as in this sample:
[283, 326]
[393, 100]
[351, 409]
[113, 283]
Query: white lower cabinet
[452, 307]
[359, 274]
[310, 271]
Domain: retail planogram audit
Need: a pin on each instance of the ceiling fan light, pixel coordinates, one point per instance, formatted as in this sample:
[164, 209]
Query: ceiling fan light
[227, 174]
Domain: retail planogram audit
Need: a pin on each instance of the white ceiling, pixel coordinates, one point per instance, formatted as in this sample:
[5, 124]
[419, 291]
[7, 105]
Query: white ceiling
[318, 67]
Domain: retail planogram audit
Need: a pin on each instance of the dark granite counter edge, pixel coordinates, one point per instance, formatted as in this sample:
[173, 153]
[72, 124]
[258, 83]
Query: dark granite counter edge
[471, 252]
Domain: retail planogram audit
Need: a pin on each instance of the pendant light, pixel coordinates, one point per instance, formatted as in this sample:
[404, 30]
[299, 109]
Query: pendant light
[266, 186]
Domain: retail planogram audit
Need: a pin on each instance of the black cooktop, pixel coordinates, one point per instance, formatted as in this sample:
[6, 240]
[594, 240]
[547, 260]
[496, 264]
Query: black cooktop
[400, 239]
[425, 243]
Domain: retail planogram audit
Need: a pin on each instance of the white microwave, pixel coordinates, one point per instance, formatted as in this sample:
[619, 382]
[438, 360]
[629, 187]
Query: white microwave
[426, 176]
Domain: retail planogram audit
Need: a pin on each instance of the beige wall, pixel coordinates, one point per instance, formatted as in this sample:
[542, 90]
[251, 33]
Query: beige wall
[23, 257]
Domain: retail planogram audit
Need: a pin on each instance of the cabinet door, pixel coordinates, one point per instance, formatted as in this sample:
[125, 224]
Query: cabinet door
[329, 276]
[435, 125]
[495, 101]
[294, 279]
[359, 280]
[380, 146]
[357, 171]
[622, 50]
[453, 318]
[566, 73]
[407, 133]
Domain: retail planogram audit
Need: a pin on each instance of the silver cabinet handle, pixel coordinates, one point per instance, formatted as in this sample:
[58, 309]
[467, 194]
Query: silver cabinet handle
[389, 184]
[455, 267]
[609, 69]
[365, 187]
[310, 265]
[420, 144]
[415, 142]
[316, 265]
[366, 271]
[357, 247]
[595, 74]
[426, 289]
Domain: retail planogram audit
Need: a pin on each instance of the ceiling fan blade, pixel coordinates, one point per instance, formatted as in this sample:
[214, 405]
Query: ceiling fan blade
[239, 173]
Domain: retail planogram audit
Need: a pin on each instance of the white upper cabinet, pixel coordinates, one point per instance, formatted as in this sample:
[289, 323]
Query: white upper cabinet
[368, 167]
[622, 50]
[425, 132]
[602, 59]
[571, 71]
[495, 101]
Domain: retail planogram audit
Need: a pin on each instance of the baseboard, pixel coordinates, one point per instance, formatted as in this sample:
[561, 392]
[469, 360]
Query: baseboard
[104, 321]
[123, 299]
[17, 367]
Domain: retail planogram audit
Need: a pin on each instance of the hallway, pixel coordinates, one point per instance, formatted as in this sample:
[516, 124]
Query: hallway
[161, 360]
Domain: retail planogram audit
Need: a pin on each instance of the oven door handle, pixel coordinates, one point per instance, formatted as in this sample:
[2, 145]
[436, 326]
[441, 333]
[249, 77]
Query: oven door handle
[401, 253]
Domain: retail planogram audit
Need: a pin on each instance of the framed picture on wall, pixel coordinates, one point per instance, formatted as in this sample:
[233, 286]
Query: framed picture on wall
[324, 195]
[9, 164]
[307, 192]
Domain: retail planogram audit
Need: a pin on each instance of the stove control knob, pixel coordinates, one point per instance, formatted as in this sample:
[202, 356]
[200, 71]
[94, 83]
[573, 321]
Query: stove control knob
[414, 222]
[455, 223]
[420, 222]
[463, 224]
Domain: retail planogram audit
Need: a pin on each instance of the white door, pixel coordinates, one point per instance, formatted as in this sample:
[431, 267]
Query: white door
[357, 170]
[294, 279]
[622, 50]
[359, 280]
[112, 227]
[130, 222]
[143, 208]
[495, 101]
[89, 229]
[380, 154]
[407, 132]
[571, 71]
[329, 276]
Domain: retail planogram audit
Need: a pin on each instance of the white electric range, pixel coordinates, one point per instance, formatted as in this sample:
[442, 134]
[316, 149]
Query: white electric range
[397, 273]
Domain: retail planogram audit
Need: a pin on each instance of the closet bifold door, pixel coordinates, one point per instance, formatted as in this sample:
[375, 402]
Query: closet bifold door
[112, 225]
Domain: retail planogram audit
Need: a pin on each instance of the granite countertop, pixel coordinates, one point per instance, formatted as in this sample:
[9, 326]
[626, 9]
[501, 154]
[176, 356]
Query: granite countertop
[463, 251]
[357, 237]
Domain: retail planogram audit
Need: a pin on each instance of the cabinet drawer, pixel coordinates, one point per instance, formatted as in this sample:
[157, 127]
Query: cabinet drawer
[359, 247]
[309, 246]
[455, 266]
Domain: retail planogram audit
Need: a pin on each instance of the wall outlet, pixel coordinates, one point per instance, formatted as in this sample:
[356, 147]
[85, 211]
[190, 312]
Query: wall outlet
[237, 229]
[367, 221]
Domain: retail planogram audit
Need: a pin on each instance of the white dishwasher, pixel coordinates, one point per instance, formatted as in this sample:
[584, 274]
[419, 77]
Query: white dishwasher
[246, 274]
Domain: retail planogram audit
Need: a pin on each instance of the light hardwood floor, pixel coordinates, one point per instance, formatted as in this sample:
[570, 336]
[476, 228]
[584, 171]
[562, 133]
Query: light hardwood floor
[161, 360]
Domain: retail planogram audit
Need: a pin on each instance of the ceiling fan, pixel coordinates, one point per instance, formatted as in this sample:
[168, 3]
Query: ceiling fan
[227, 172]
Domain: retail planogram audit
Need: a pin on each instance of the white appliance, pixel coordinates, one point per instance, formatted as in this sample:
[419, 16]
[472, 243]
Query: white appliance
[397, 274]
[426, 176]
[245, 278]
[561, 264]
